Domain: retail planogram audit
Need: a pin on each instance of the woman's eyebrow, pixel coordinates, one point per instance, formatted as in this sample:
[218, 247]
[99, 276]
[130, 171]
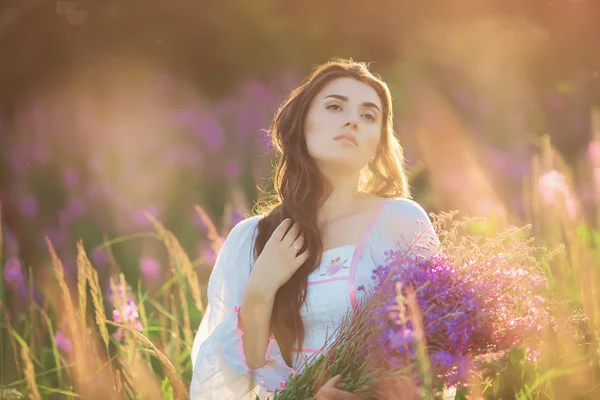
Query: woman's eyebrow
[344, 98]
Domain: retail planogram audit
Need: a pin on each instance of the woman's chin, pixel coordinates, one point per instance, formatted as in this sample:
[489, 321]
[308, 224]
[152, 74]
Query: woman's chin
[347, 164]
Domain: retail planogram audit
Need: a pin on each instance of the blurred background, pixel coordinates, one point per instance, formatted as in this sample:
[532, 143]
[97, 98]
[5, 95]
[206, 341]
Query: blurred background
[111, 109]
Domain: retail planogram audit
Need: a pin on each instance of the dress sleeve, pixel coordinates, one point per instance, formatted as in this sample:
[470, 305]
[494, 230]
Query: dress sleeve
[406, 227]
[219, 364]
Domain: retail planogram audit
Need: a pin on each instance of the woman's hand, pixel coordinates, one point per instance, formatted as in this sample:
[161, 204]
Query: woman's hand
[329, 392]
[280, 258]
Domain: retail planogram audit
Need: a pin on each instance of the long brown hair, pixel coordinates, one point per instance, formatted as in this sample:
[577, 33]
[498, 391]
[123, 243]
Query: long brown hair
[295, 172]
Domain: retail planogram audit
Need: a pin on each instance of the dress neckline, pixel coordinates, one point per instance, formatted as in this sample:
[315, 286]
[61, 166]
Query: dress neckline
[368, 231]
[339, 248]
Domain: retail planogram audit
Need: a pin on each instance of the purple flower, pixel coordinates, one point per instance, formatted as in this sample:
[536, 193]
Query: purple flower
[236, 217]
[466, 310]
[206, 126]
[62, 342]
[70, 176]
[444, 359]
[129, 316]
[130, 312]
[401, 337]
[99, 256]
[149, 267]
[13, 274]
[69, 265]
[209, 256]
[74, 210]
[56, 236]
[29, 206]
[122, 292]
[13, 271]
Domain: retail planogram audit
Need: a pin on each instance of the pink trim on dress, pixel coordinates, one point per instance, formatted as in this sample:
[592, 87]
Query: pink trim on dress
[242, 356]
[306, 350]
[356, 256]
[238, 340]
[339, 278]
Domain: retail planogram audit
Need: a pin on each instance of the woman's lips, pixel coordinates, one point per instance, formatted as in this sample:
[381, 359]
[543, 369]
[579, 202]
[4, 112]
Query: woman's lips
[347, 137]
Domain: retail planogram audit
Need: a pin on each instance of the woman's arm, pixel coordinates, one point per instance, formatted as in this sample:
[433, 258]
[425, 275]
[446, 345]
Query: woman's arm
[255, 319]
[277, 262]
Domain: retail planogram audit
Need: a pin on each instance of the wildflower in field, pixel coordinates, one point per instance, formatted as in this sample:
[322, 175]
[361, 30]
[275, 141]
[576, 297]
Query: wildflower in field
[554, 189]
[209, 257]
[150, 268]
[74, 210]
[128, 315]
[99, 256]
[70, 176]
[63, 342]
[13, 275]
[29, 206]
[121, 294]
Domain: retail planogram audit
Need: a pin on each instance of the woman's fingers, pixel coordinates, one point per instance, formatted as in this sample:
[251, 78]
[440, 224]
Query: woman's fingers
[332, 382]
[290, 236]
[298, 243]
[279, 232]
[337, 394]
[329, 392]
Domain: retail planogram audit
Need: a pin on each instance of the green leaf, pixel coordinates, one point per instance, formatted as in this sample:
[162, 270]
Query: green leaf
[56, 390]
[167, 389]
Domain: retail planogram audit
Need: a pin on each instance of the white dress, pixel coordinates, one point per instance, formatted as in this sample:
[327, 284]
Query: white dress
[220, 370]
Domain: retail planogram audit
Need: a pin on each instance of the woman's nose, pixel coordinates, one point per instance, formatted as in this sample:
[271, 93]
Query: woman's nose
[351, 122]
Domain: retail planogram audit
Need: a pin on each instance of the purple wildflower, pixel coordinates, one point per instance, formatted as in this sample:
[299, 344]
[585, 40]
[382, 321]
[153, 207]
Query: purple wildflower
[127, 315]
[74, 209]
[99, 256]
[63, 342]
[465, 311]
[122, 292]
[70, 176]
[209, 256]
[29, 206]
[150, 268]
[210, 130]
[13, 274]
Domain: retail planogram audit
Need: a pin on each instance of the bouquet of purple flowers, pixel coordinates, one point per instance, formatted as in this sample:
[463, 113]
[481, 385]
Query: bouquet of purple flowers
[430, 323]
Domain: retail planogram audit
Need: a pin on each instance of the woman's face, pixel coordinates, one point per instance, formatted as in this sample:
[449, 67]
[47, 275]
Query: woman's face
[343, 125]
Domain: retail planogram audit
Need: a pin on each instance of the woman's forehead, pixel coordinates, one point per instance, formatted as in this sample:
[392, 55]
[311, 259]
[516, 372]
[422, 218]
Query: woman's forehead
[356, 91]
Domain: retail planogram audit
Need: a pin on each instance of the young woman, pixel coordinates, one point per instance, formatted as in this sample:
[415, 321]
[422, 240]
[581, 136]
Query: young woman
[284, 279]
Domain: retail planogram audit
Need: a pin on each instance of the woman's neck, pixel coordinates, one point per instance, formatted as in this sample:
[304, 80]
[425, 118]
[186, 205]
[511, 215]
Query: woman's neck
[344, 200]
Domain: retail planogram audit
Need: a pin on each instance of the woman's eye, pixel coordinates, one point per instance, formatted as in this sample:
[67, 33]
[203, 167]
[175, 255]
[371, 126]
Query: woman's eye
[334, 105]
[369, 116]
